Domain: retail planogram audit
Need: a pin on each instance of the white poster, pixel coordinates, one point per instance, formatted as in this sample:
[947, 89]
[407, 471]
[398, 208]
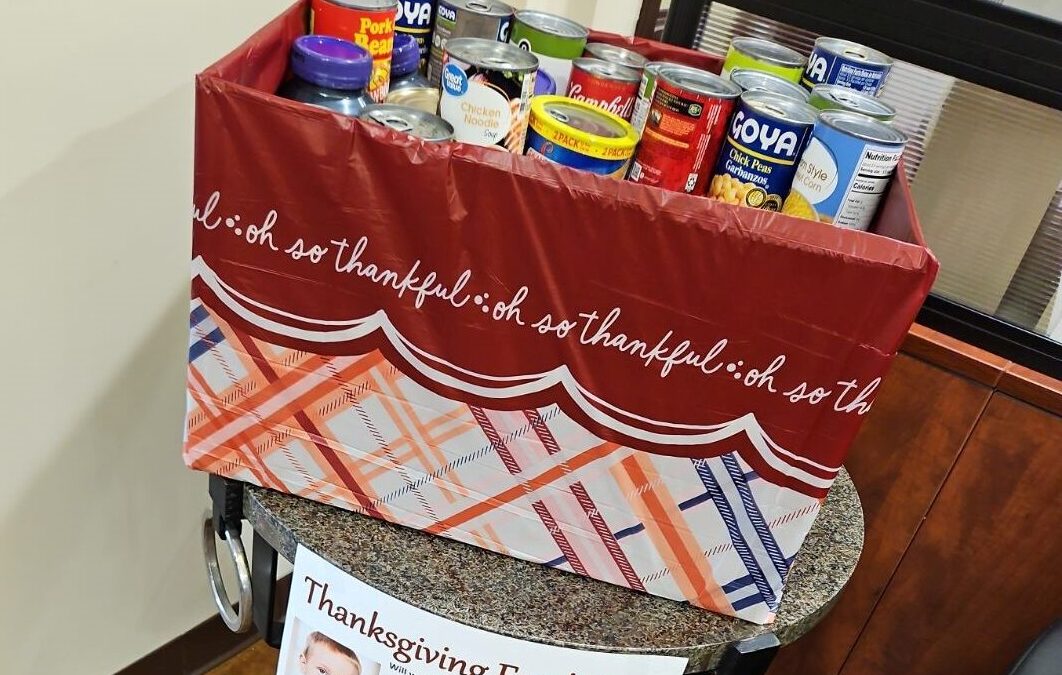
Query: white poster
[337, 625]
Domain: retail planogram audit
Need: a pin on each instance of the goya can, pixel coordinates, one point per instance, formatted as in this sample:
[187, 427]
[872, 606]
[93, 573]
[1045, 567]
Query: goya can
[486, 92]
[757, 80]
[416, 18]
[556, 42]
[367, 23]
[646, 91]
[770, 57]
[767, 135]
[836, 97]
[845, 170]
[487, 19]
[686, 126]
[581, 136]
[848, 64]
[618, 55]
[410, 121]
[608, 86]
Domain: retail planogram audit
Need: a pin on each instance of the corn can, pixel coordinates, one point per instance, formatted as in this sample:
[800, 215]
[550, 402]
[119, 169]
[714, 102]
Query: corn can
[368, 23]
[848, 64]
[579, 135]
[555, 40]
[770, 57]
[486, 19]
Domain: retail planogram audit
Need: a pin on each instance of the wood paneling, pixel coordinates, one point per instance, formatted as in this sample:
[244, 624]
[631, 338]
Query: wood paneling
[899, 463]
[954, 355]
[982, 576]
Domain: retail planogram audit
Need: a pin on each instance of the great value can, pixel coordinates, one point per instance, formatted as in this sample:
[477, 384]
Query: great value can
[410, 121]
[755, 54]
[606, 85]
[758, 80]
[646, 90]
[581, 136]
[767, 135]
[487, 19]
[686, 126]
[836, 97]
[368, 23]
[618, 55]
[845, 170]
[417, 19]
[848, 64]
[555, 40]
[486, 92]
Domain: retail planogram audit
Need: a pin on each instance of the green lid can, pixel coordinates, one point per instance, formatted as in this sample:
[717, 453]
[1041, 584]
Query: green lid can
[555, 40]
[766, 56]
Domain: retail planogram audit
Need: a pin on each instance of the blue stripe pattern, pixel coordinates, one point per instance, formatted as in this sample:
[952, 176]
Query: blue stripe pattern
[199, 315]
[770, 545]
[204, 345]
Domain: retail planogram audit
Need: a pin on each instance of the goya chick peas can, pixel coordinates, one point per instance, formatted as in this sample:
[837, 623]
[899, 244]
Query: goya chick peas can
[845, 170]
[755, 54]
[836, 97]
[685, 129]
[757, 80]
[555, 40]
[486, 92]
[767, 135]
[581, 136]
[848, 64]
[487, 19]
[606, 85]
[416, 18]
[367, 23]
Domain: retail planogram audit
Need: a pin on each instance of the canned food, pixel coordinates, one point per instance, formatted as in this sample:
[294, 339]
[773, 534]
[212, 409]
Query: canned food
[421, 98]
[367, 23]
[758, 80]
[646, 90]
[556, 42]
[845, 170]
[581, 136]
[405, 64]
[544, 84]
[836, 97]
[766, 137]
[617, 55]
[685, 129]
[608, 86]
[487, 19]
[410, 121]
[848, 64]
[770, 57]
[329, 72]
[486, 92]
[416, 18]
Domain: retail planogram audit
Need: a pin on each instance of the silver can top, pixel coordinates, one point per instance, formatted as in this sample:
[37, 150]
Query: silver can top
[837, 97]
[484, 7]
[492, 55]
[552, 24]
[586, 119]
[863, 127]
[367, 4]
[410, 121]
[698, 81]
[853, 51]
[757, 80]
[614, 54]
[768, 52]
[780, 108]
[606, 70]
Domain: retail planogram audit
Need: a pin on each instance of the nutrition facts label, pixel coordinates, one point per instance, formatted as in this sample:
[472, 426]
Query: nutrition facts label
[869, 182]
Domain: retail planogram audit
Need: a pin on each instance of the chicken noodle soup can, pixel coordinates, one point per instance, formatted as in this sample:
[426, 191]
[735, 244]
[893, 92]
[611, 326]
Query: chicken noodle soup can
[486, 92]
[770, 57]
[581, 136]
[646, 91]
[845, 170]
[618, 55]
[416, 18]
[556, 42]
[763, 145]
[606, 85]
[836, 97]
[367, 23]
[848, 64]
[410, 121]
[487, 19]
[758, 80]
[685, 129]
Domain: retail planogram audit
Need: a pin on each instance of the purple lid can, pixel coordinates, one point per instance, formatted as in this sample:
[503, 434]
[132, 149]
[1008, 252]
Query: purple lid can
[545, 85]
[405, 57]
[331, 62]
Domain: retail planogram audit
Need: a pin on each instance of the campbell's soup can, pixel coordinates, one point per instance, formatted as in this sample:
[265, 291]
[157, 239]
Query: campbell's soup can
[845, 170]
[581, 136]
[368, 23]
[555, 40]
[766, 137]
[416, 18]
[606, 85]
[646, 91]
[769, 57]
[684, 130]
[486, 92]
[848, 64]
[486, 19]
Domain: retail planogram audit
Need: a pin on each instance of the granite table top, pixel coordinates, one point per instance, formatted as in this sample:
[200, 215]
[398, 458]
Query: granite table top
[540, 604]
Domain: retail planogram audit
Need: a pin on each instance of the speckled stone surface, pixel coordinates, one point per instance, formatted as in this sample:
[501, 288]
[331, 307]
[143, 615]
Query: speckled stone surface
[532, 602]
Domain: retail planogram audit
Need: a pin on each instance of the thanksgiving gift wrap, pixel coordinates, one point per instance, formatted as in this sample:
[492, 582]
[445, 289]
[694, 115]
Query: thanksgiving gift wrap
[648, 388]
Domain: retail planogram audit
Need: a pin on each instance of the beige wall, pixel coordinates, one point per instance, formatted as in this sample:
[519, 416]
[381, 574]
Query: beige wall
[619, 16]
[99, 521]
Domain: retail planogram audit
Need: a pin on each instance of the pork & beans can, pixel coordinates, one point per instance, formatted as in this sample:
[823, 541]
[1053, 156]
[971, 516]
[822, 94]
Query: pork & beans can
[367, 23]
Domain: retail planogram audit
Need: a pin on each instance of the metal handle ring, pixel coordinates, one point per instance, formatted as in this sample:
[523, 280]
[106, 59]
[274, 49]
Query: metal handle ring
[238, 620]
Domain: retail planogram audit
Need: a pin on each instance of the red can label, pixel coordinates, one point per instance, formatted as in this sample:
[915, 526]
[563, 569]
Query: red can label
[682, 139]
[615, 96]
[373, 29]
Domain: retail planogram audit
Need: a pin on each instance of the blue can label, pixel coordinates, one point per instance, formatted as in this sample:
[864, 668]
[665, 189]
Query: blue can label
[827, 68]
[543, 148]
[758, 160]
[416, 18]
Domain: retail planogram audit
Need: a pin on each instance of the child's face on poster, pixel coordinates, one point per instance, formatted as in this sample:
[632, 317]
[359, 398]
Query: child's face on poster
[321, 660]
